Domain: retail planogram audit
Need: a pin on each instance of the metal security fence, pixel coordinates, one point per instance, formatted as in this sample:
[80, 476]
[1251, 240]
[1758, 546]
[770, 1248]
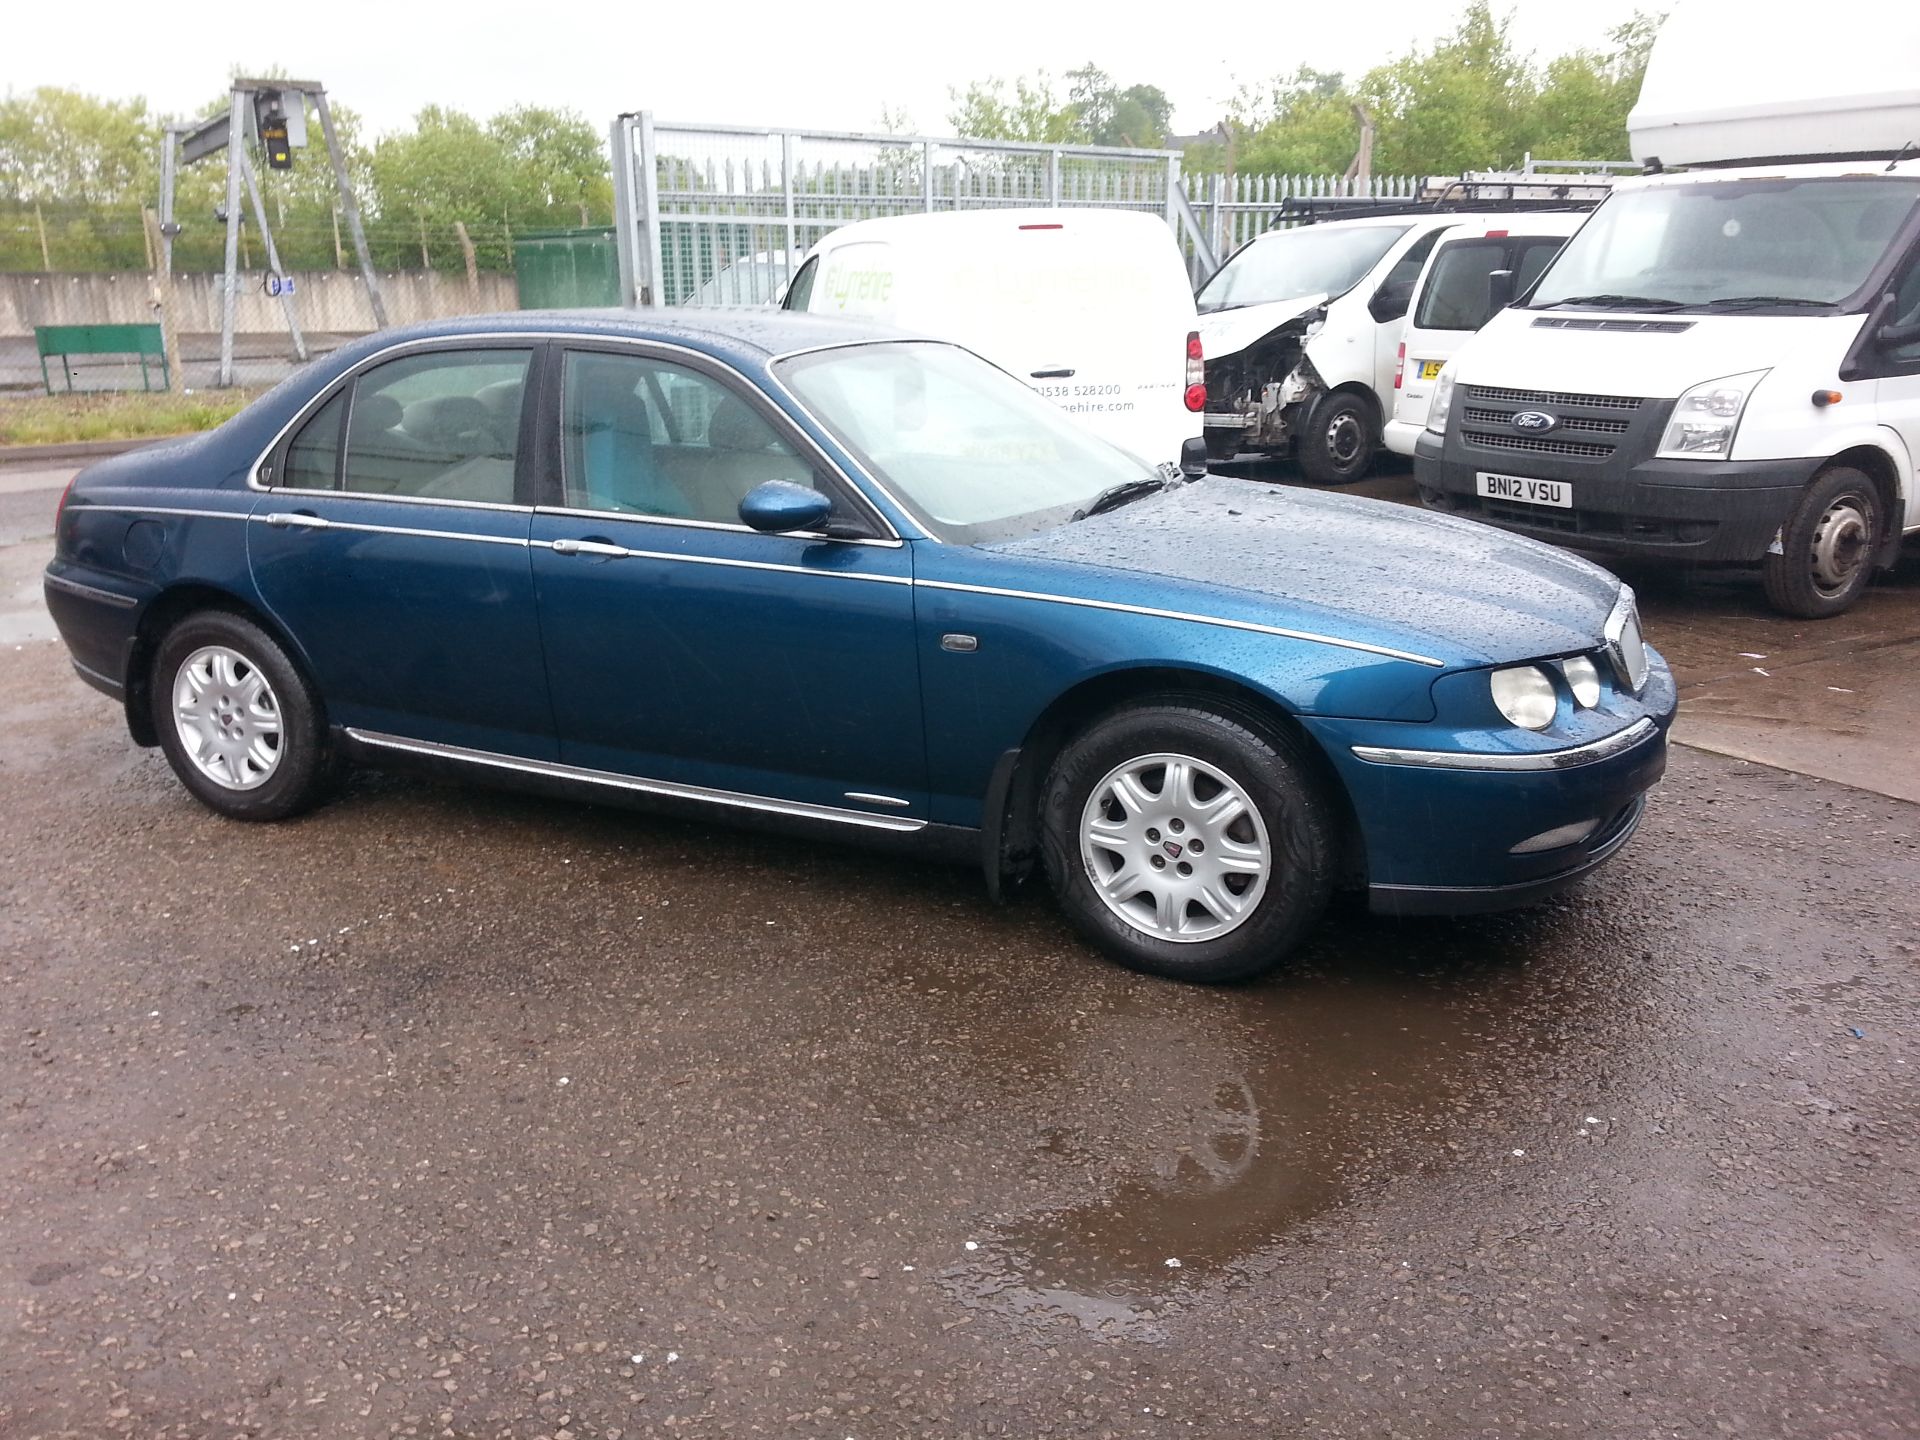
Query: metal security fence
[1232, 209]
[723, 215]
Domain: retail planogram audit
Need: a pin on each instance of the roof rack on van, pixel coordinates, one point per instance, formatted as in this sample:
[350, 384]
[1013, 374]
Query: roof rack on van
[1472, 192]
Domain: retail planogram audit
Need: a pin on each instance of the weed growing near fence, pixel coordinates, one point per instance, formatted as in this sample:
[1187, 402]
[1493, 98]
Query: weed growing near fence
[63, 419]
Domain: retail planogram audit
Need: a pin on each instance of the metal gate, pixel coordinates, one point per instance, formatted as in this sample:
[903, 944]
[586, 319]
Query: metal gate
[723, 215]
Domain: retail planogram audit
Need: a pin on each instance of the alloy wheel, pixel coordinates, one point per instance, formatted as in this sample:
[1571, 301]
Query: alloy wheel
[227, 717]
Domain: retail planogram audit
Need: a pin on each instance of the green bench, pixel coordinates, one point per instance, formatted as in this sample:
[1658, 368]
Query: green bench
[65, 341]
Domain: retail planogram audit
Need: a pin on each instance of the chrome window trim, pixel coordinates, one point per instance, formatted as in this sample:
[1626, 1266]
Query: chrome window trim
[625, 515]
[532, 338]
[1280, 630]
[450, 504]
[1569, 758]
[88, 592]
[730, 562]
[670, 789]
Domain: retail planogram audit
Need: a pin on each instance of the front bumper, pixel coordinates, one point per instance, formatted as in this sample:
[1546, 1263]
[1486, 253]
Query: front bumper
[1705, 511]
[1400, 436]
[1449, 838]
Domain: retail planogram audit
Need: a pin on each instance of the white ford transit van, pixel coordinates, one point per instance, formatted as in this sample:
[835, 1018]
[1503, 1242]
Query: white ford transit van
[1092, 308]
[1723, 363]
[1454, 297]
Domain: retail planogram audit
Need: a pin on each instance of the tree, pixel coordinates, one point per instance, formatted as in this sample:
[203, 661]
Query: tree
[1462, 105]
[62, 147]
[986, 111]
[1581, 111]
[1303, 125]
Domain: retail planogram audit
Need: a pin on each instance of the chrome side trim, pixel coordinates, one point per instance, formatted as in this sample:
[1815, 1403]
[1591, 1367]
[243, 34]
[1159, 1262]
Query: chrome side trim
[576, 547]
[670, 789]
[867, 799]
[1159, 614]
[309, 522]
[396, 499]
[161, 510]
[627, 518]
[88, 592]
[1604, 748]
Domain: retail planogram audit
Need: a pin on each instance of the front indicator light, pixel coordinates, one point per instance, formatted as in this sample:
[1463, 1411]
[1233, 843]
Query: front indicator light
[1583, 678]
[1525, 695]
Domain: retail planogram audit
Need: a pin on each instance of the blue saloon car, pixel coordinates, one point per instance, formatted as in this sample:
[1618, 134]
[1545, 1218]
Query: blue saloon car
[785, 569]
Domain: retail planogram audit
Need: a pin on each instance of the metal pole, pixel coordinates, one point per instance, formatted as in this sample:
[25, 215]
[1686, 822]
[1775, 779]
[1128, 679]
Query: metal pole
[169, 149]
[273, 253]
[230, 286]
[786, 185]
[163, 306]
[351, 207]
[653, 285]
[625, 226]
[1053, 175]
[926, 175]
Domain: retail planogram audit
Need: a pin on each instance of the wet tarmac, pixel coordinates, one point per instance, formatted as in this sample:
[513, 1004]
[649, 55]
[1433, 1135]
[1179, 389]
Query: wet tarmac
[445, 1111]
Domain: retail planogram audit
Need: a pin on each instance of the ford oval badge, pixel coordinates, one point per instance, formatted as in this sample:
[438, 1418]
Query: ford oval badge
[1537, 422]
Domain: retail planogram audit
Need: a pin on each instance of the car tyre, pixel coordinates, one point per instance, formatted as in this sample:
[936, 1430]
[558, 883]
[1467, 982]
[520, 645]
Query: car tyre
[1338, 441]
[1123, 807]
[1827, 546]
[238, 722]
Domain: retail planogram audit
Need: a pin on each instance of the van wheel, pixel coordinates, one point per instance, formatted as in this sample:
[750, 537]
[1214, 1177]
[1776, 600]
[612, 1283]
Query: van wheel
[1337, 442]
[1827, 546]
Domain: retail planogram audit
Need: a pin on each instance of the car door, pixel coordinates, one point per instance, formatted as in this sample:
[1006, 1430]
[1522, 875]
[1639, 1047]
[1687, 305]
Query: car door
[391, 544]
[694, 653]
[1895, 368]
[1388, 307]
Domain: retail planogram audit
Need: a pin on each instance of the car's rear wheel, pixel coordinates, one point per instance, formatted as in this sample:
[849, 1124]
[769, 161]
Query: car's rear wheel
[236, 719]
[1338, 440]
[1827, 546]
[1188, 842]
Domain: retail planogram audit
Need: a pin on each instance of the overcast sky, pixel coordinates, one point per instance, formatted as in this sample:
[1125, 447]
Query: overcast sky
[831, 66]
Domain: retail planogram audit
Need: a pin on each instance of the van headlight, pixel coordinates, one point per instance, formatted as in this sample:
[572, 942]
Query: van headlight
[1706, 417]
[1441, 403]
[1525, 695]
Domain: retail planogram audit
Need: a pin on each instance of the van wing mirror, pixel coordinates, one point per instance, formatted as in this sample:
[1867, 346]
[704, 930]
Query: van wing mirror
[1499, 291]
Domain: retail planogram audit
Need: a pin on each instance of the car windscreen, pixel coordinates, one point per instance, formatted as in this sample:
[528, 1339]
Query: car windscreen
[1733, 243]
[973, 454]
[1311, 260]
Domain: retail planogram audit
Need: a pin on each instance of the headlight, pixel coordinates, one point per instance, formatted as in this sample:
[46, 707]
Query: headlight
[1525, 695]
[1583, 678]
[1706, 417]
[1441, 403]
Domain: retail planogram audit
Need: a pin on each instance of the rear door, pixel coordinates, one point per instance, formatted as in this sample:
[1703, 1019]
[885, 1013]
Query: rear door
[392, 546]
[1455, 299]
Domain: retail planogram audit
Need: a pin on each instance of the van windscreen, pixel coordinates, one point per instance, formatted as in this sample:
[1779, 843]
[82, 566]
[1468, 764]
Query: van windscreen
[1290, 264]
[1730, 244]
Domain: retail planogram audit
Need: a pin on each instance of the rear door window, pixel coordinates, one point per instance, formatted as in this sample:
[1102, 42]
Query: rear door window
[1458, 293]
[439, 426]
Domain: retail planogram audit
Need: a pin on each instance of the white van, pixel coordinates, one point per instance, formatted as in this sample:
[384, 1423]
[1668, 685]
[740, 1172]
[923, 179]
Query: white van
[1723, 364]
[1092, 308]
[1454, 297]
[1301, 329]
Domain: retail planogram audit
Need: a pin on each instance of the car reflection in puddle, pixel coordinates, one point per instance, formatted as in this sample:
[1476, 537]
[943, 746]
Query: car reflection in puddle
[1273, 1110]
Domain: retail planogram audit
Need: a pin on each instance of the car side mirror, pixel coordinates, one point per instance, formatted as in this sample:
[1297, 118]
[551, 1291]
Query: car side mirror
[779, 506]
[1193, 457]
[1499, 291]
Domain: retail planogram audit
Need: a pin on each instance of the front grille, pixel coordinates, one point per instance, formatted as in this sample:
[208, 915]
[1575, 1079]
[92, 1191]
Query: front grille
[1578, 449]
[1552, 397]
[1581, 423]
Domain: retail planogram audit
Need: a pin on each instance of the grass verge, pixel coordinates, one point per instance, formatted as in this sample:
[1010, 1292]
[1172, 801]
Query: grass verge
[65, 419]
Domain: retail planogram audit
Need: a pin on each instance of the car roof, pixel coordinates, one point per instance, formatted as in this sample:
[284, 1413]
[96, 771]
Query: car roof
[760, 331]
[945, 223]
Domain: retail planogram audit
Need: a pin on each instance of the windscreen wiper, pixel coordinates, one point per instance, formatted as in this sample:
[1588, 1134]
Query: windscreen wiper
[1114, 496]
[1760, 302]
[1620, 302]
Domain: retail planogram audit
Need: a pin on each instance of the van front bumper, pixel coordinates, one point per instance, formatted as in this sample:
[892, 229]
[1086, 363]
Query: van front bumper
[1703, 511]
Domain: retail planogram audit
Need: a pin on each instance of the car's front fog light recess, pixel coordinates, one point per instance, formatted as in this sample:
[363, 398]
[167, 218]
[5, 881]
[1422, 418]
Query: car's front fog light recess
[1557, 838]
[1525, 695]
[1583, 678]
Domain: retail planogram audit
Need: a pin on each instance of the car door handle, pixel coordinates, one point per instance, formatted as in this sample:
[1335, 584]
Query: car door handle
[1052, 372]
[589, 547]
[305, 519]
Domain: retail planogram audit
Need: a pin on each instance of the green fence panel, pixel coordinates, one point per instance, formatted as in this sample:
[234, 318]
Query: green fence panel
[567, 269]
[64, 341]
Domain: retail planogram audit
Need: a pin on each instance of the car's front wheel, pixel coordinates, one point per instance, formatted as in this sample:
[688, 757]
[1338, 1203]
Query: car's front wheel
[1188, 842]
[1338, 440]
[1827, 547]
[237, 720]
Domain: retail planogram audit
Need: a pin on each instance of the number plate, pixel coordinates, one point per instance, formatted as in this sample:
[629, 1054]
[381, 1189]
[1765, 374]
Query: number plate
[1430, 369]
[1556, 493]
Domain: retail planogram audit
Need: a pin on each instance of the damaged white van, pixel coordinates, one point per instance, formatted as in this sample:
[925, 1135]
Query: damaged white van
[1723, 364]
